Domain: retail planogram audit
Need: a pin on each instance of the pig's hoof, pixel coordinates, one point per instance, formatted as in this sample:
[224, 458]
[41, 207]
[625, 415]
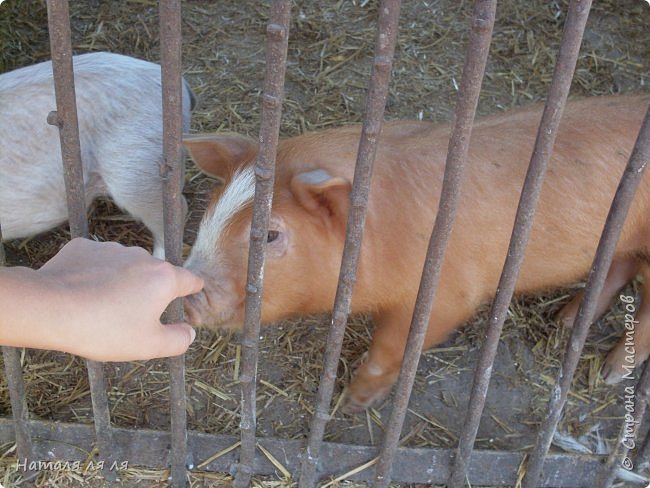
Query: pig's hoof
[566, 321]
[352, 407]
[620, 365]
[360, 361]
[610, 374]
[567, 315]
[356, 402]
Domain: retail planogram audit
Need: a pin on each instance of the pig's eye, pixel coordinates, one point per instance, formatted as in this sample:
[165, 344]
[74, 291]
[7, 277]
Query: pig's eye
[272, 235]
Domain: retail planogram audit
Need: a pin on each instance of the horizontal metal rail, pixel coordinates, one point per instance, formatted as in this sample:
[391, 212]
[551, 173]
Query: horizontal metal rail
[142, 447]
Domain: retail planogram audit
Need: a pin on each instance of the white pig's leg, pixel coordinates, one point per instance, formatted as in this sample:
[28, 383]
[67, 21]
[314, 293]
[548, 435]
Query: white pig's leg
[634, 347]
[140, 195]
[148, 210]
[621, 272]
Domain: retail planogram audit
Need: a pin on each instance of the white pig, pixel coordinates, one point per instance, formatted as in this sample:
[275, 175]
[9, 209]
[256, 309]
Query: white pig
[119, 106]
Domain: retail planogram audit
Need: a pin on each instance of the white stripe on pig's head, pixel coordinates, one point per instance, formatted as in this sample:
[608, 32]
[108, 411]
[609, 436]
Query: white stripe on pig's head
[237, 194]
[222, 296]
[227, 157]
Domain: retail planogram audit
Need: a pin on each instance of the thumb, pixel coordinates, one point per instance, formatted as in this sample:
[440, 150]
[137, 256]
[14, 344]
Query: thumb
[174, 339]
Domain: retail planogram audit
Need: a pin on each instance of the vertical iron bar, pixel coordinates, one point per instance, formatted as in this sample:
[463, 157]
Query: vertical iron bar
[477, 53]
[609, 238]
[629, 431]
[643, 457]
[16, 386]
[558, 92]
[66, 119]
[277, 36]
[172, 176]
[377, 94]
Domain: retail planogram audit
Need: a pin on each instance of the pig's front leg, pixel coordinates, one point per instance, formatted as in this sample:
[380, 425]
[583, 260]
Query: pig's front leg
[374, 378]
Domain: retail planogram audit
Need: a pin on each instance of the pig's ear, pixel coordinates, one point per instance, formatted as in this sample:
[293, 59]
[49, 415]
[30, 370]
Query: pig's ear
[219, 155]
[323, 194]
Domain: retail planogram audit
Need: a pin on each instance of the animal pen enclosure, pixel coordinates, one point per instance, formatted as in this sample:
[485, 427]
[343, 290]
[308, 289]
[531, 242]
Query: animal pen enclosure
[429, 457]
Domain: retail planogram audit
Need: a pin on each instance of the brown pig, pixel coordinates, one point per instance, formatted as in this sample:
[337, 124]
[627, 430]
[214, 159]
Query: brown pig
[310, 207]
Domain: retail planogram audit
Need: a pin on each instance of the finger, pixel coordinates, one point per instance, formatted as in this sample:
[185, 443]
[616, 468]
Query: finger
[173, 340]
[187, 283]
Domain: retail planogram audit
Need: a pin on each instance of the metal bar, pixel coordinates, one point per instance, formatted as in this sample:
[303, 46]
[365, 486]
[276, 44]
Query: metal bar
[277, 36]
[643, 457]
[19, 410]
[66, 119]
[558, 92]
[172, 174]
[375, 104]
[143, 447]
[638, 400]
[16, 386]
[482, 24]
[609, 238]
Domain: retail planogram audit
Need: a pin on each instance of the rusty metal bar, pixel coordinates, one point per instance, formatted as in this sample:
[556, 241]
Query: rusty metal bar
[65, 118]
[558, 92]
[643, 457]
[172, 174]
[629, 430]
[277, 36]
[609, 238]
[143, 447]
[377, 94]
[19, 410]
[16, 386]
[482, 24]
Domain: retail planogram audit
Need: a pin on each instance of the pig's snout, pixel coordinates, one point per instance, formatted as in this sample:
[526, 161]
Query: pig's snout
[212, 307]
[193, 307]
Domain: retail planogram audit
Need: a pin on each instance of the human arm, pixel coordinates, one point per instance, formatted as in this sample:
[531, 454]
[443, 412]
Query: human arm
[102, 301]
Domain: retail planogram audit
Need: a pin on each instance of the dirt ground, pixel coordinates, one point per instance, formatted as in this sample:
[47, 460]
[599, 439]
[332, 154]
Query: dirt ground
[330, 52]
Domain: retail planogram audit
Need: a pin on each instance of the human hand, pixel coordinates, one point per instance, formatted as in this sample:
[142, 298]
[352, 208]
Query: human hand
[103, 301]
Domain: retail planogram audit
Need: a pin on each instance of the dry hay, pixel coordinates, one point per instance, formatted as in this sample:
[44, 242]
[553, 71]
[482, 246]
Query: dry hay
[330, 52]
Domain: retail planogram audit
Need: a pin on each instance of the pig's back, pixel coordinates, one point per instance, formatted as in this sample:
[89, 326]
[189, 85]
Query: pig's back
[117, 96]
[592, 147]
[120, 123]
